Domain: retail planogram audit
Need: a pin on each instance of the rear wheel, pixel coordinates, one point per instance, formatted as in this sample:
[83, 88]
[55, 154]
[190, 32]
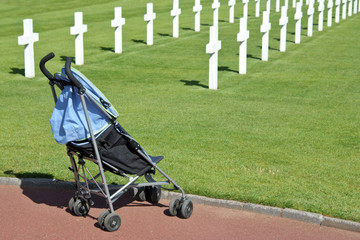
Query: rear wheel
[71, 204]
[153, 194]
[81, 208]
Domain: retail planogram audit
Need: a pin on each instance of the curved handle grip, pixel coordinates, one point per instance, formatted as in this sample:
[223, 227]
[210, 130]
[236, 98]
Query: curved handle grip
[71, 76]
[43, 68]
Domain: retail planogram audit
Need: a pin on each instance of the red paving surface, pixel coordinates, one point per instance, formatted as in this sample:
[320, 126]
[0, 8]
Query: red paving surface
[33, 213]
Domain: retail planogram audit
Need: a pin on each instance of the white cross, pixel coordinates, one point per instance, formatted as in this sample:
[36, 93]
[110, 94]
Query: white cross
[355, 6]
[231, 3]
[149, 18]
[242, 37]
[283, 21]
[213, 48]
[310, 14]
[78, 30]
[350, 8]
[344, 9]
[329, 15]
[117, 23]
[268, 5]
[215, 6]
[28, 39]
[321, 9]
[245, 8]
[294, 4]
[196, 9]
[257, 8]
[297, 17]
[337, 10]
[277, 8]
[175, 12]
[265, 28]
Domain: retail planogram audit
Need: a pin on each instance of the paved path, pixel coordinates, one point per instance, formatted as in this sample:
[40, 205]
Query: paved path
[41, 213]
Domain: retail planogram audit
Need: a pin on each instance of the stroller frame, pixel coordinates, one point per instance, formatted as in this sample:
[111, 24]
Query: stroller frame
[87, 184]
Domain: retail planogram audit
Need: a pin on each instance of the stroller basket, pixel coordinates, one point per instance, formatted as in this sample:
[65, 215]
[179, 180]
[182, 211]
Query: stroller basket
[84, 120]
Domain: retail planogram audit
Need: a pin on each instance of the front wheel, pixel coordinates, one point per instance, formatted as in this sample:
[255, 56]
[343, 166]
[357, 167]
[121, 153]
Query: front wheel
[186, 209]
[112, 222]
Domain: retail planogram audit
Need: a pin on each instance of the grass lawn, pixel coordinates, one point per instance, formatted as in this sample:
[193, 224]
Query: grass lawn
[286, 134]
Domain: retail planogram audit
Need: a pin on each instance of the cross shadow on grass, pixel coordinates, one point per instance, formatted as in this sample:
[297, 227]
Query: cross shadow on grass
[253, 57]
[225, 68]
[108, 49]
[164, 35]
[187, 29]
[138, 41]
[63, 58]
[20, 71]
[193, 83]
[278, 39]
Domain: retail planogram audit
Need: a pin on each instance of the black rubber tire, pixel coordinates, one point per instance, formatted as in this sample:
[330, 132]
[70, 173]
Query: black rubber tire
[140, 195]
[174, 206]
[153, 194]
[102, 217]
[112, 222]
[186, 209]
[71, 204]
[81, 208]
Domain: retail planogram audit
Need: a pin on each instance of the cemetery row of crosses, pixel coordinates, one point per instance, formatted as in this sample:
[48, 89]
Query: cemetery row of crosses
[348, 7]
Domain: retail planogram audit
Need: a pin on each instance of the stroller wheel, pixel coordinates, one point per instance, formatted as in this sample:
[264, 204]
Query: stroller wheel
[81, 208]
[174, 206]
[71, 204]
[186, 209]
[102, 217]
[112, 222]
[153, 194]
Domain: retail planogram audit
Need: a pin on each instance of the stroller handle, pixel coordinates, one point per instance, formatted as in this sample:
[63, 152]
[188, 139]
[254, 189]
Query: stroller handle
[43, 68]
[71, 76]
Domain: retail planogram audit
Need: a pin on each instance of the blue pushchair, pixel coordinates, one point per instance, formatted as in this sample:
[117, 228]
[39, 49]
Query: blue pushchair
[84, 120]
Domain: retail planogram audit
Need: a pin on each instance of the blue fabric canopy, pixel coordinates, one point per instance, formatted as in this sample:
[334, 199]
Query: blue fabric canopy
[68, 122]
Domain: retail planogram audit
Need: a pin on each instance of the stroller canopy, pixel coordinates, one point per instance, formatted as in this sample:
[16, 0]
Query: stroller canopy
[68, 122]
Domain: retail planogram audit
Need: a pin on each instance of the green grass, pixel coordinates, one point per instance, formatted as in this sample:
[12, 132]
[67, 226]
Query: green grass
[286, 134]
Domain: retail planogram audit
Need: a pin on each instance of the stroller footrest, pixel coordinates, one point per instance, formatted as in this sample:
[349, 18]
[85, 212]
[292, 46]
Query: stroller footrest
[156, 159]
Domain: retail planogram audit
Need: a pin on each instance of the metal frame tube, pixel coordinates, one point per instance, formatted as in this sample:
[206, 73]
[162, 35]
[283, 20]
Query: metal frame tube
[97, 155]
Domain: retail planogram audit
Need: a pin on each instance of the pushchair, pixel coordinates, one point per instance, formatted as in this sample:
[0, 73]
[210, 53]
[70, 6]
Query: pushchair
[84, 120]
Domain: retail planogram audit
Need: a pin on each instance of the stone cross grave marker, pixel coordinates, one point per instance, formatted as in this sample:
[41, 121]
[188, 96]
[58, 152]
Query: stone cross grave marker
[117, 23]
[213, 48]
[287, 4]
[297, 17]
[329, 12]
[337, 10]
[245, 8]
[310, 14]
[215, 6]
[197, 9]
[294, 4]
[268, 6]
[231, 4]
[283, 21]
[28, 39]
[344, 9]
[350, 8]
[149, 18]
[355, 6]
[277, 6]
[242, 37]
[78, 30]
[175, 12]
[257, 8]
[321, 9]
[265, 28]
